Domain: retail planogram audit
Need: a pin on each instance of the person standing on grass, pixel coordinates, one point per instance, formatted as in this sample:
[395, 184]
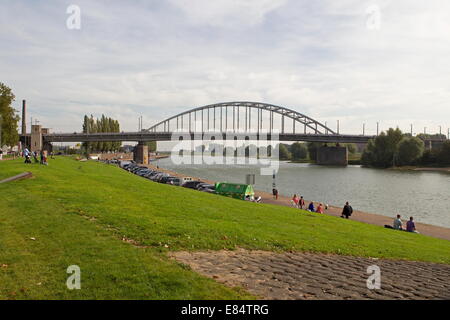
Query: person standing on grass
[347, 211]
[311, 207]
[35, 157]
[301, 203]
[1, 154]
[26, 154]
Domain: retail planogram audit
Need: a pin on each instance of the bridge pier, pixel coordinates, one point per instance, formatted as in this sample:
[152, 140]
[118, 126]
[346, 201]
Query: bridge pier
[332, 156]
[36, 138]
[140, 153]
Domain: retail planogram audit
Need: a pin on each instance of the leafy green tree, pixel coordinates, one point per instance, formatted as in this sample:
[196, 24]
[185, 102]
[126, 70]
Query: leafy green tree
[443, 157]
[283, 152]
[410, 151]
[151, 146]
[381, 151]
[351, 147]
[9, 134]
[312, 149]
[299, 151]
[429, 157]
[104, 124]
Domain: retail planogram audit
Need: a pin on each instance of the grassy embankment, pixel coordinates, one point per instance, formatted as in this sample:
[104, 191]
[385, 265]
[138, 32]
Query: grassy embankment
[79, 212]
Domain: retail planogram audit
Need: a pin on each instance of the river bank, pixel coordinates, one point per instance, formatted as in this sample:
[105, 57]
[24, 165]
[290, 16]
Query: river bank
[435, 169]
[334, 210]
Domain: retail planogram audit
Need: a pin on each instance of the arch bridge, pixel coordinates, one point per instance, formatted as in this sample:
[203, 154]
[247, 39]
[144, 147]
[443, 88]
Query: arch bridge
[237, 119]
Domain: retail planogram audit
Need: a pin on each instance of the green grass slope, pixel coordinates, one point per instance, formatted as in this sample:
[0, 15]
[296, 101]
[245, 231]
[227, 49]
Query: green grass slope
[79, 212]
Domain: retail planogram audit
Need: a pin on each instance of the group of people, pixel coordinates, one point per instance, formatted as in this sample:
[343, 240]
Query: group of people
[299, 202]
[398, 224]
[42, 154]
[347, 211]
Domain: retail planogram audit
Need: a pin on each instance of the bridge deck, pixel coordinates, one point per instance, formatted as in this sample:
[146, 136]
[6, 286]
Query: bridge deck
[168, 136]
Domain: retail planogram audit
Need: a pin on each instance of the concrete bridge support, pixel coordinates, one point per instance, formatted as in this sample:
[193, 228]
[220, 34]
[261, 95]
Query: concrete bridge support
[140, 153]
[36, 138]
[332, 156]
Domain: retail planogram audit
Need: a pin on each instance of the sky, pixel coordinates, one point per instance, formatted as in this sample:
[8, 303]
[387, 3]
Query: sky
[353, 61]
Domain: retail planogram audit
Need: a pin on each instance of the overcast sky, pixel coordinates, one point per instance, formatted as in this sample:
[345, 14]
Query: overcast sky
[357, 61]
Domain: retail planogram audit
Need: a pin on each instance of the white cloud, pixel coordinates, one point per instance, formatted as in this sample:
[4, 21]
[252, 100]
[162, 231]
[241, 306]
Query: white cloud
[160, 59]
[227, 13]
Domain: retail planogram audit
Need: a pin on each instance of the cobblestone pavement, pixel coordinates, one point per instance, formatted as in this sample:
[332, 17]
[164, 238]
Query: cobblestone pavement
[319, 276]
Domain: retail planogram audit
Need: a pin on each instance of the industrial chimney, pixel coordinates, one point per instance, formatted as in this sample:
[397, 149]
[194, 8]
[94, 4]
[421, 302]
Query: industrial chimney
[24, 117]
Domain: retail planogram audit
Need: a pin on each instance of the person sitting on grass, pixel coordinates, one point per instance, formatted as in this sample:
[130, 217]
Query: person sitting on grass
[347, 211]
[320, 208]
[398, 224]
[301, 203]
[411, 226]
[295, 200]
[311, 207]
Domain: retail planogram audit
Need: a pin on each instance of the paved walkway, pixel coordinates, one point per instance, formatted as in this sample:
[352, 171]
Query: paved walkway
[318, 276]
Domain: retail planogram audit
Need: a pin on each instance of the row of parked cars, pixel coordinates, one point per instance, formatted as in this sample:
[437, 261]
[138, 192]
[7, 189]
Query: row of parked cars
[162, 177]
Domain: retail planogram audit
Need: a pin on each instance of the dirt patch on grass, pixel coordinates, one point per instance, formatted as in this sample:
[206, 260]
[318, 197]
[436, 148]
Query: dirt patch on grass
[319, 276]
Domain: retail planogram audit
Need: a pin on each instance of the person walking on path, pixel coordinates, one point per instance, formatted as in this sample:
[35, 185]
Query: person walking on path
[1, 154]
[347, 211]
[301, 203]
[275, 193]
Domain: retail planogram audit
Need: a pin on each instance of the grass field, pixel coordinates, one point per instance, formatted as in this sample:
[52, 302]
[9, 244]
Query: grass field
[80, 212]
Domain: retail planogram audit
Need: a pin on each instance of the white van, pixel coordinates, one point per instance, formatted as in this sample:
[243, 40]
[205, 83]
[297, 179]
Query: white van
[184, 180]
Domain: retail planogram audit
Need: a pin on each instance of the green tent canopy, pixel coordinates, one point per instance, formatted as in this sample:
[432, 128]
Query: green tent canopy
[234, 190]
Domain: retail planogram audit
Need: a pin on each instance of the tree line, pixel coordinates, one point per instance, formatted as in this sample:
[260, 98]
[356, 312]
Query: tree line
[394, 148]
[101, 125]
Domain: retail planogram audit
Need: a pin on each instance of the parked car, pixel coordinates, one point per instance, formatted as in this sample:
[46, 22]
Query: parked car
[174, 180]
[161, 177]
[158, 176]
[205, 185]
[166, 179]
[209, 190]
[192, 184]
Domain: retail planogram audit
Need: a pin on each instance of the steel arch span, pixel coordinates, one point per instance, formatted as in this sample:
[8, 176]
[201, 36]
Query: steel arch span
[245, 109]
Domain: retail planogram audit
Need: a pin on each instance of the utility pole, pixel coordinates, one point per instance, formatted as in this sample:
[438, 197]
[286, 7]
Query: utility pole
[411, 130]
[338, 127]
[378, 128]
[425, 130]
[364, 129]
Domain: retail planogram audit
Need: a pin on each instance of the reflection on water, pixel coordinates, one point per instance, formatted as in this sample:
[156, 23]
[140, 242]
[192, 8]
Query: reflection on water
[424, 195]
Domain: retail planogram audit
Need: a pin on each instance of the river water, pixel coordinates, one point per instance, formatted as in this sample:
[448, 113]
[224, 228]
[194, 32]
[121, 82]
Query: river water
[423, 195]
